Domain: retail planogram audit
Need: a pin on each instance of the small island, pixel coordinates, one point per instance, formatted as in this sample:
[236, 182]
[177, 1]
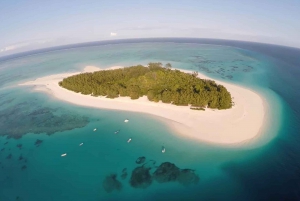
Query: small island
[157, 82]
[175, 97]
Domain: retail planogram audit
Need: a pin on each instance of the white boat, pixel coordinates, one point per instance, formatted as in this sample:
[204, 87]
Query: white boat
[81, 144]
[126, 120]
[129, 140]
[95, 129]
[63, 154]
[116, 132]
[163, 150]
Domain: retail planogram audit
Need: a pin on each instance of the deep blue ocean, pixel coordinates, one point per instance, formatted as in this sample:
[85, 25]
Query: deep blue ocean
[35, 128]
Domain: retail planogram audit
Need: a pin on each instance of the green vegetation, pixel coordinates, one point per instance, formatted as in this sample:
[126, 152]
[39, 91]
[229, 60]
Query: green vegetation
[156, 82]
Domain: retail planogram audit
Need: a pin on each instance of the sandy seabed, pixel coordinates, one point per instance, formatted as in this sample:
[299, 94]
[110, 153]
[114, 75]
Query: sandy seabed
[244, 121]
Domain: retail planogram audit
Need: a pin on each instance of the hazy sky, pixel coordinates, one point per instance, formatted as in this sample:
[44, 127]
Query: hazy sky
[31, 24]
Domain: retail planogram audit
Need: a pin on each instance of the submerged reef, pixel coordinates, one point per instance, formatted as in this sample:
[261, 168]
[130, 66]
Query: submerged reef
[188, 177]
[169, 172]
[27, 117]
[140, 160]
[124, 174]
[140, 177]
[38, 142]
[150, 164]
[19, 146]
[111, 183]
[166, 172]
[9, 156]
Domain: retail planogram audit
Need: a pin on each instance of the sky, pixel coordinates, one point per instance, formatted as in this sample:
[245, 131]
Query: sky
[33, 24]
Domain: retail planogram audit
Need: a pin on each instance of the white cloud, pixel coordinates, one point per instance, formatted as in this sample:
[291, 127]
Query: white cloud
[13, 47]
[113, 34]
[23, 44]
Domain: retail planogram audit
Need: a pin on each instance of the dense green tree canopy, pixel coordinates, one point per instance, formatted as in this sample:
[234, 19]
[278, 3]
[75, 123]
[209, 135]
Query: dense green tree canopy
[156, 82]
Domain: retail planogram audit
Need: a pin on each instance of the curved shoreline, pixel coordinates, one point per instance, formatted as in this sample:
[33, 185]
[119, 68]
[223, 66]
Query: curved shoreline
[243, 122]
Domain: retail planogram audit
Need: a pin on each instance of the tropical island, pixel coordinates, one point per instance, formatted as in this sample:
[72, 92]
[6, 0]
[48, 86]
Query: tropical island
[163, 93]
[156, 82]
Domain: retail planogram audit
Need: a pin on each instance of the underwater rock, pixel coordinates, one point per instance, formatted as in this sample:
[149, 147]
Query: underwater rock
[5, 143]
[166, 172]
[24, 167]
[140, 160]
[20, 157]
[38, 142]
[124, 170]
[9, 156]
[140, 177]
[2, 149]
[187, 177]
[111, 183]
[19, 146]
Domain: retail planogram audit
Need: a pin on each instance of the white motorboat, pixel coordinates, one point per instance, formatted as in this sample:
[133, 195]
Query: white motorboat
[129, 140]
[95, 129]
[116, 132]
[81, 144]
[163, 150]
[63, 154]
[126, 120]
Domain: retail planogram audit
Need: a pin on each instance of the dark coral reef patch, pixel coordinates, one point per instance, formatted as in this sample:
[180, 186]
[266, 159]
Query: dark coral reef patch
[188, 177]
[140, 177]
[169, 172]
[111, 183]
[124, 174]
[166, 172]
[140, 160]
[38, 142]
[23, 118]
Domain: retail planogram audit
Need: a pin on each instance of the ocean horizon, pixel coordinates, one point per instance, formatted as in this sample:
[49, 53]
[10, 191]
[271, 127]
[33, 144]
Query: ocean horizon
[36, 128]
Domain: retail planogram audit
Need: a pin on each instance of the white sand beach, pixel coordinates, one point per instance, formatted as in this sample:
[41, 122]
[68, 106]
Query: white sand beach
[236, 125]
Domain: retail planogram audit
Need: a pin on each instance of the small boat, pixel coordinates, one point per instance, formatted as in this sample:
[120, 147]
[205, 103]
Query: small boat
[63, 154]
[129, 140]
[81, 144]
[163, 149]
[126, 120]
[95, 129]
[116, 132]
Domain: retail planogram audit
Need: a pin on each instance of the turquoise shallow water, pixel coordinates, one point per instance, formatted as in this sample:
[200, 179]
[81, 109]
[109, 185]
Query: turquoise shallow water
[243, 172]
